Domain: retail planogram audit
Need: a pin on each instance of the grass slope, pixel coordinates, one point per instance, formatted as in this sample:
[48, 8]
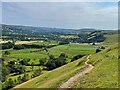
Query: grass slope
[110, 39]
[55, 78]
[73, 49]
[105, 73]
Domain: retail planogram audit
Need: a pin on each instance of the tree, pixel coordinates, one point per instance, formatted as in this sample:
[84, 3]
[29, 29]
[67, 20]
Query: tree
[76, 57]
[64, 42]
[61, 60]
[5, 72]
[102, 47]
[98, 50]
[15, 82]
[45, 49]
[25, 77]
[36, 73]
[62, 55]
[10, 83]
[24, 62]
[6, 53]
[51, 64]
[18, 47]
[16, 67]
[51, 56]
[42, 61]
[93, 43]
[32, 65]
[19, 79]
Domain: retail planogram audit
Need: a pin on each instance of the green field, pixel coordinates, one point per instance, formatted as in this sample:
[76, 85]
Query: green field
[70, 50]
[105, 73]
[55, 77]
[73, 49]
[35, 55]
[45, 42]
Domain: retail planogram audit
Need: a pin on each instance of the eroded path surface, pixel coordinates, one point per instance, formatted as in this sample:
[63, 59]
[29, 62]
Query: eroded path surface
[68, 83]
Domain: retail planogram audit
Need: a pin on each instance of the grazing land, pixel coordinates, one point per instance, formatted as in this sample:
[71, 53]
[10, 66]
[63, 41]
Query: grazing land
[105, 72]
[55, 77]
[55, 59]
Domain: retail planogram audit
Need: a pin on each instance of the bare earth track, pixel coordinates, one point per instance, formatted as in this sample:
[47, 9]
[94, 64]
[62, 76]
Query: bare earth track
[68, 83]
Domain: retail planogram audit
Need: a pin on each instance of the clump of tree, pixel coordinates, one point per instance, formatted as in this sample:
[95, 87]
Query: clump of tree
[25, 77]
[5, 73]
[56, 62]
[6, 53]
[102, 47]
[18, 47]
[63, 42]
[7, 45]
[76, 57]
[98, 50]
[42, 61]
[15, 67]
[24, 62]
[36, 73]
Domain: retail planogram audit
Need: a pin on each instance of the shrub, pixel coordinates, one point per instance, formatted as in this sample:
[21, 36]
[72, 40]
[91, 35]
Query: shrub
[98, 50]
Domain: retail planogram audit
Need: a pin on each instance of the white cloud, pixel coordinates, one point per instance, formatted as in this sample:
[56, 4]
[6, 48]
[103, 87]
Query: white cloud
[63, 15]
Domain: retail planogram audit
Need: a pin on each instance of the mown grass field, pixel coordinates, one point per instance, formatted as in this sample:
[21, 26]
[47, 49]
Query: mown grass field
[70, 50]
[105, 73]
[55, 77]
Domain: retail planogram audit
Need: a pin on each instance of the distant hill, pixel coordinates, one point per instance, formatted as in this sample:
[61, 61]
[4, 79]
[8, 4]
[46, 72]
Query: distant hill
[31, 29]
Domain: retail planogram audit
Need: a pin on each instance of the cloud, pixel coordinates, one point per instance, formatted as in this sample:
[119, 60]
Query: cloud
[63, 15]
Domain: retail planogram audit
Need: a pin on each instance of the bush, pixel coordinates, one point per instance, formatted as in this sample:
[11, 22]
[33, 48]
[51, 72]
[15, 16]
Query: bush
[51, 64]
[6, 53]
[24, 62]
[7, 45]
[63, 42]
[18, 47]
[36, 73]
[76, 57]
[98, 50]
[42, 61]
[102, 47]
[25, 77]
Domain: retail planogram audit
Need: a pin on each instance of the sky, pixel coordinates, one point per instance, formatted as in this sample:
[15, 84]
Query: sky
[74, 15]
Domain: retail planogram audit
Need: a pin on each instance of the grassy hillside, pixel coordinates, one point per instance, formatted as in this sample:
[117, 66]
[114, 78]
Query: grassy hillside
[55, 77]
[105, 73]
[110, 39]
